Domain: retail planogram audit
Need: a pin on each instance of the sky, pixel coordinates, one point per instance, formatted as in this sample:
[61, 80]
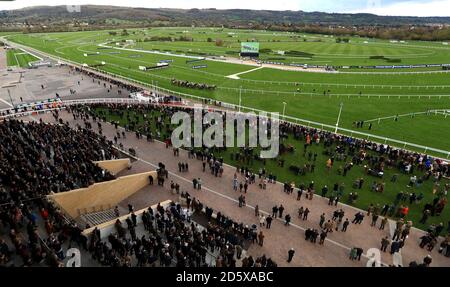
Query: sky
[379, 7]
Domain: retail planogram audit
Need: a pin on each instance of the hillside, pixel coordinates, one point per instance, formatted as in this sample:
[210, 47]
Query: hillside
[45, 15]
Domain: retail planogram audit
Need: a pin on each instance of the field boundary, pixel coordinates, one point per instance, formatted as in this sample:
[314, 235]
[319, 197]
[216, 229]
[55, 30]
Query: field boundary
[321, 126]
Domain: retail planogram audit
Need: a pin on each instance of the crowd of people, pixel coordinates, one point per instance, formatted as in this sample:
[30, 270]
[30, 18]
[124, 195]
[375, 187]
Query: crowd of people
[24, 206]
[42, 172]
[354, 152]
[171, 238]
[38, 159]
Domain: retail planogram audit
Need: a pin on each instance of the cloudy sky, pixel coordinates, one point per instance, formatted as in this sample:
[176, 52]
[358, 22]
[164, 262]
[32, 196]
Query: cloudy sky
[380, 7]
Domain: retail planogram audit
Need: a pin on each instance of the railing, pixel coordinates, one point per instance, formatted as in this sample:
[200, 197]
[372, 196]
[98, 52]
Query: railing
[93, 209]
[444, 112]
[343, 131]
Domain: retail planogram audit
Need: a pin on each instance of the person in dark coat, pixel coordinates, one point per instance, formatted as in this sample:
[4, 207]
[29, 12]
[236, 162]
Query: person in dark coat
[269, 221]
[291, 253]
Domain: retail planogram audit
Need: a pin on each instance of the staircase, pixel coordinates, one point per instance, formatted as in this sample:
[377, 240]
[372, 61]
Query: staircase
[97, 218]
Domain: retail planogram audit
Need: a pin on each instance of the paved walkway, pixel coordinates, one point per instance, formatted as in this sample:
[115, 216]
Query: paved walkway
[26, 84]
[218, 194]
[2, 58]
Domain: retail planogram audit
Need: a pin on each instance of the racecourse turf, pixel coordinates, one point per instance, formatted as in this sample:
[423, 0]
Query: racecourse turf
[309, 96]
[15, 57]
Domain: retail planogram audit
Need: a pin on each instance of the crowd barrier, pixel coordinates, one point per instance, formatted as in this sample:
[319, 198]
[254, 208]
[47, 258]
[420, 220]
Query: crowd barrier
[108, 227]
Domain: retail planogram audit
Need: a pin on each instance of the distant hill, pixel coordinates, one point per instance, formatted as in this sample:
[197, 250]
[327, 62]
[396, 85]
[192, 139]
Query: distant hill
[99, 15]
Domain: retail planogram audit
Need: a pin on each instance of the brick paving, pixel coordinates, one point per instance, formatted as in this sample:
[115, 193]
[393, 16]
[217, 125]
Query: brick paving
[218, 194]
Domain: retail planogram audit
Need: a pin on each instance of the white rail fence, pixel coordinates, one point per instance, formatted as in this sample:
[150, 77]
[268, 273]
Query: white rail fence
[444, 112]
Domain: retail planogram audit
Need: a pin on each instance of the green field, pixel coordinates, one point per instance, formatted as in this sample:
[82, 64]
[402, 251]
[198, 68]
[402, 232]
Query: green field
[309, 96]
[320, 176]
[8, 33]
[317, 49]
[16, 57]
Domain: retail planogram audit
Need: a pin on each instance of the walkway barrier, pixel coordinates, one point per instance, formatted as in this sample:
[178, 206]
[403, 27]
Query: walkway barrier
[108, 227]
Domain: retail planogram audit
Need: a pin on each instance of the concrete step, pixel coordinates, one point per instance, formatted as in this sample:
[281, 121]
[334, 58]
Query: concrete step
[97, 218]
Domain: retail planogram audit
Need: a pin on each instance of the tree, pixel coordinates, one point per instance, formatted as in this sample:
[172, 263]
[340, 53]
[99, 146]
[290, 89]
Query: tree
[209, 40]
[219, 42]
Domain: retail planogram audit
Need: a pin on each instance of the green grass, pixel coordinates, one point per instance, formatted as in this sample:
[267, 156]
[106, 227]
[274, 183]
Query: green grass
[17, 57]
[8, 33]
[11, 60]
[310, 96]
[320, 176]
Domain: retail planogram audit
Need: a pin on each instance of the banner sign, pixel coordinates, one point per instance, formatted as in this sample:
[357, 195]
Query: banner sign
[250, 47]
[194, 60]
[360, 67]
[200, 67]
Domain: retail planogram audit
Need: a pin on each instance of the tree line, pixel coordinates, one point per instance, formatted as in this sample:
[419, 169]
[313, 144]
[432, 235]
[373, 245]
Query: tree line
[401, 32]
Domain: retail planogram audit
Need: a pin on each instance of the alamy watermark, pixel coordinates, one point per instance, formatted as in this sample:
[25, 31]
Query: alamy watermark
[73, 8]
[373, 258]
[227, 130]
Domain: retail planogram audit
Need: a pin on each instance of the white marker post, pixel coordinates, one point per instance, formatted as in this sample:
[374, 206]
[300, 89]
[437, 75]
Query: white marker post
[240, 98]
[339, 117]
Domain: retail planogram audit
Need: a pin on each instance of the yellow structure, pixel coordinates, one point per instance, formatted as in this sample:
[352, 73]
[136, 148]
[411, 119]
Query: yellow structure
[114, 166]
[101, 196]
